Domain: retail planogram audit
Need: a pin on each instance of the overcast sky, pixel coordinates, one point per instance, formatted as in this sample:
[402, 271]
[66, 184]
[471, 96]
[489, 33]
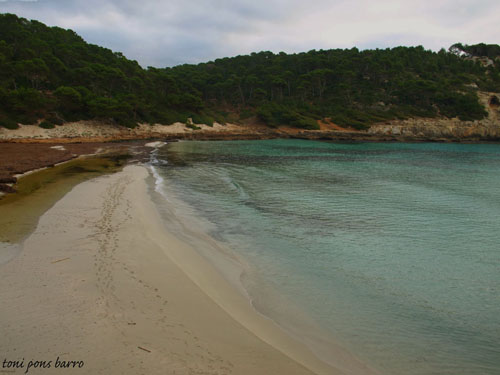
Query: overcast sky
[166, 33]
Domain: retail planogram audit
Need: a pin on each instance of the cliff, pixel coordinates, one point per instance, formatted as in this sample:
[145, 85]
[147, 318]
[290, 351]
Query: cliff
[487, 129]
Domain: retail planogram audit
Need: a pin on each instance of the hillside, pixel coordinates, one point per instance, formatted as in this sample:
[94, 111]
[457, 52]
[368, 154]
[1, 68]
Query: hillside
[49, 76]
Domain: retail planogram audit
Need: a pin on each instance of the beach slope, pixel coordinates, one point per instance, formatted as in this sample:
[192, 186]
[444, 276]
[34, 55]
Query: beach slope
[101, 282]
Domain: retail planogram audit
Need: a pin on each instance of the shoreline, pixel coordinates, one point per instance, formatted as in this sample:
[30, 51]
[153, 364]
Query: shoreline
[334, 136]
[38, 190]
[192, 229]
[40, 153]
[102, 293]
[221, 280]
[409, 130]
[20, 158]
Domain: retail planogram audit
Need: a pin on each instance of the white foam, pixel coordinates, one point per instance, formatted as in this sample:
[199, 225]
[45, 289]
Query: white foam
[158, 181]
[156, 144]
[59, 147]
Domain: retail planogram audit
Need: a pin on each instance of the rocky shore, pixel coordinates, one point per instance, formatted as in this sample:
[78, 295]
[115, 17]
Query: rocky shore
[410, 130]
[444, 129]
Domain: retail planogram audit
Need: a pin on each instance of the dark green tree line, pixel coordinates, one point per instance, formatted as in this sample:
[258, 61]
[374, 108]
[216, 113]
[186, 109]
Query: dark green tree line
[53, 74]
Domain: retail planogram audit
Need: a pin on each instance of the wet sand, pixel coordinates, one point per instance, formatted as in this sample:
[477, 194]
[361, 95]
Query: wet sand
[100, 281]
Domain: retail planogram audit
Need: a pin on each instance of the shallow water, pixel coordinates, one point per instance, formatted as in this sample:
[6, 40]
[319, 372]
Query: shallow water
[391, 249]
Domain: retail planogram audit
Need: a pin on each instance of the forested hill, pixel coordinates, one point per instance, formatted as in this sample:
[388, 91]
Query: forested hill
[52, 74]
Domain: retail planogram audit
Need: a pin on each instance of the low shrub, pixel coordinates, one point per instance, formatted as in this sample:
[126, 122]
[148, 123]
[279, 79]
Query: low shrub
[26, 119]
[46, 125]
[56, 120]
[305, 123]
[192, 126]
[203, 119]
[128, 123]
[168, 117]
[9, 124]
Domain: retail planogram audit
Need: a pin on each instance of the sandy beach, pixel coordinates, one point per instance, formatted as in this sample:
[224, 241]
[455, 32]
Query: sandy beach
[102, 283]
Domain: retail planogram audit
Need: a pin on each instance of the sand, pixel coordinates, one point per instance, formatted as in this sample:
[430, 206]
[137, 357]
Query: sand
[102, 283]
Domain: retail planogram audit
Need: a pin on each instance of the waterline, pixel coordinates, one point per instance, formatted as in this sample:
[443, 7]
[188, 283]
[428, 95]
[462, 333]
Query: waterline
[389, 248]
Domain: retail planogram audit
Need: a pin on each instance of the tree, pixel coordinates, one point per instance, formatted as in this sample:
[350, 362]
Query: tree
[34, 71]
[69, 101]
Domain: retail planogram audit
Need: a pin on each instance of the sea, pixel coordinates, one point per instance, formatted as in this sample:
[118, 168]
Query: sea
[388, 250]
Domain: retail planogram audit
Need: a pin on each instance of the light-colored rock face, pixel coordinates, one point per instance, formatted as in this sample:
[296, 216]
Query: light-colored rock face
[486, 128]
[95, 129]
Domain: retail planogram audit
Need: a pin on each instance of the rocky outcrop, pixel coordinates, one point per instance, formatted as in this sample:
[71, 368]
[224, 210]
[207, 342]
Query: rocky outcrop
[93, 131]
[415, 129]
[487, 129]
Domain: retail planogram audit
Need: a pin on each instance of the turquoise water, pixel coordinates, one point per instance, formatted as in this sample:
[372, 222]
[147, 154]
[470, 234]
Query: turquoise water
[391, 249]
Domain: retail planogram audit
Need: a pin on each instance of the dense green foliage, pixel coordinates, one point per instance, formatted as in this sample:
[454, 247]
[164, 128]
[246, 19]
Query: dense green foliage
[46, 125]
[479, 50]
[53, 74]
[351, 87]
[48, 72]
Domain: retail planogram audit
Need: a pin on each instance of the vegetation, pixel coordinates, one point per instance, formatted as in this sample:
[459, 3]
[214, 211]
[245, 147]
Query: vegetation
[192, 126]
[53, 74]
[46, 125]
[479, 50]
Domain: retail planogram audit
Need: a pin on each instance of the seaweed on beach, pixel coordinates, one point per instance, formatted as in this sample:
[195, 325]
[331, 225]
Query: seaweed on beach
[37, 192]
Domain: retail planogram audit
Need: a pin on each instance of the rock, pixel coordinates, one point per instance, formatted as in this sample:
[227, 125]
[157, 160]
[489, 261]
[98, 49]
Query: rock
[155, 144]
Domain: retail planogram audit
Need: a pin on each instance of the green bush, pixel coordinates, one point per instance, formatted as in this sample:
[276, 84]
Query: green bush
[124, 121]
[26, 119]
[305, 123]
[464, 106]
[353, 119]
[55, 120]
[219, 117]
[274, 115]
[192, 126]
[203, 119]
[9, 124]
[168, 117]
[267, 114]
[47, 125]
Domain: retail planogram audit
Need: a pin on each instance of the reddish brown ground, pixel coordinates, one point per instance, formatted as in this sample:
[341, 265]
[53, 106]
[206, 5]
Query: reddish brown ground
[17, 158]
[328, 125]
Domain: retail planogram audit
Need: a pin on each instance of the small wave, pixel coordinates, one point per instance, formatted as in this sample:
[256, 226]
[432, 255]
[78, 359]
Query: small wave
[155, 160]
[233, 185]
[158, 181]
[154, 163]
